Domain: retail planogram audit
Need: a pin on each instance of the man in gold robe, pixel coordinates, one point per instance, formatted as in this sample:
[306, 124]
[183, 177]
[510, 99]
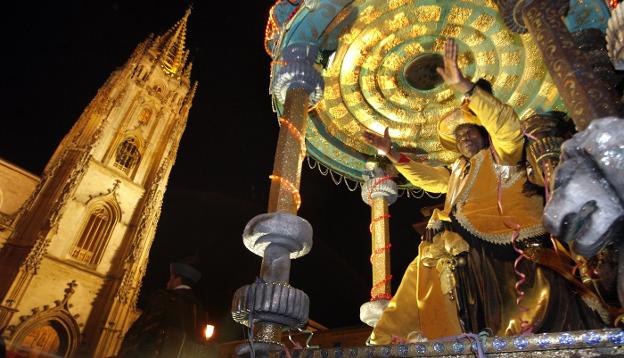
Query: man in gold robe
[463, 278]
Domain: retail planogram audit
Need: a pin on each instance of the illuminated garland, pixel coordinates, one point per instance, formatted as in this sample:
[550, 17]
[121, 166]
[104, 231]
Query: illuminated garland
[380, 296]
[613, 3]
[270, 30]
[377, 219]
[379, 251]
[296, 134]
[272, 27]
[380, 284]
[290, 187]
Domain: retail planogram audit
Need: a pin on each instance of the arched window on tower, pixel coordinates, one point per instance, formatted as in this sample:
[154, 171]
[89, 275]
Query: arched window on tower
[128, 155]
[95, 233]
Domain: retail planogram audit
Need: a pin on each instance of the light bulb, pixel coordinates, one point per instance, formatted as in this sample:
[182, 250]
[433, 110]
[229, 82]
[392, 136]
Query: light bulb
[209, 331]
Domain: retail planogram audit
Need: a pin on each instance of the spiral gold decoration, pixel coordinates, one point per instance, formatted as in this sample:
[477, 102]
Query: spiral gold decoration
[367, 86]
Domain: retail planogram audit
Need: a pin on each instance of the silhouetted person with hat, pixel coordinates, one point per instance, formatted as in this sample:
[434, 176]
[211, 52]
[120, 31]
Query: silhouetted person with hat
[173, 321]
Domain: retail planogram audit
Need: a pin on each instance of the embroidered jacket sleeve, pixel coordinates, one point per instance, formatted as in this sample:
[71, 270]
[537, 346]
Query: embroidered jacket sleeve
[502, 124]
[431, 179]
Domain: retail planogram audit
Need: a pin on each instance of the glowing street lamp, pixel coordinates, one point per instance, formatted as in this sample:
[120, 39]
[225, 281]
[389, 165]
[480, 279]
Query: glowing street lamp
[209, 331]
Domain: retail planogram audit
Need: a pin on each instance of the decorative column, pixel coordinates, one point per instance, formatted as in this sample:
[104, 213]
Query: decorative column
[585, 95]
[297, 85]
[545, 134]
[379, 192]
[615, 32]
[271, 305]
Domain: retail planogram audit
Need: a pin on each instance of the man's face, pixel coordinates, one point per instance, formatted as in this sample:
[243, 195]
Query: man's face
[469, 140]
[174, 281]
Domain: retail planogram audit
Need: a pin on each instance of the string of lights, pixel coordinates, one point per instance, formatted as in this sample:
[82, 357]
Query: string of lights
[375, 297]
[613, 3]
[270, 30]
[377, 219]
[379, 251]
[296, 134]
[290, 187]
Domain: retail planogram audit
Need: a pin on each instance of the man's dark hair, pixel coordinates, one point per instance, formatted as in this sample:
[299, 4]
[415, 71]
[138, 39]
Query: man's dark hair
[484, 85]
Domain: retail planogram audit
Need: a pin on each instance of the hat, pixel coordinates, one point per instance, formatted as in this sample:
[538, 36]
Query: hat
[448, 124]
[185, 270]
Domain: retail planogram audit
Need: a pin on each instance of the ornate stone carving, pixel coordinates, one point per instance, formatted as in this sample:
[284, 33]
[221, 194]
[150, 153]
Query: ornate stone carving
[76, 175]
[111, 191]
[59, 312]
[33, 260]
[131, 275]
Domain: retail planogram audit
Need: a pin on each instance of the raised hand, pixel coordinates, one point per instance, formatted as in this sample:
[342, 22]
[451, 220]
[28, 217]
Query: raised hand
[383, 144]
[451, 74]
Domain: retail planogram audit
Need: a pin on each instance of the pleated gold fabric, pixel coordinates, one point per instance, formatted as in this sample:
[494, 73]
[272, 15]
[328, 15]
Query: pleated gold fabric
[419, 306]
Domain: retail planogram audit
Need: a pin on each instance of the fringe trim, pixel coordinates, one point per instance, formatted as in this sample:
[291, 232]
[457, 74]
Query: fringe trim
[499, 239]
[471, 180]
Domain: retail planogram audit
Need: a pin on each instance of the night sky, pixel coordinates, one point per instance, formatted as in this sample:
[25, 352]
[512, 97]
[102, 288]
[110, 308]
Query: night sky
[57, 54]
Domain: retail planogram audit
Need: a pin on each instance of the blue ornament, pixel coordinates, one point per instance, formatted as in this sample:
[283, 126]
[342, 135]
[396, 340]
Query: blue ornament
[544, 341]
[616, 337]
[438, 347]
[499, 344]
[338, 353]
[521, 342]
[402, 349]
[421, 349]
[591, 338]
[566, 339]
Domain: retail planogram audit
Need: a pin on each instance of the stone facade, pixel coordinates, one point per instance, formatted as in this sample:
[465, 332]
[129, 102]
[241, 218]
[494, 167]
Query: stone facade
[16, 185]
[90, 220]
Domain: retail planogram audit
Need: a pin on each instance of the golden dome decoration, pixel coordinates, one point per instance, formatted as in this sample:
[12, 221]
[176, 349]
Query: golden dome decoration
[382, 73]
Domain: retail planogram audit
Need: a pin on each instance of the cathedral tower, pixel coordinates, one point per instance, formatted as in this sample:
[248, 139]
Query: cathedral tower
[73, 264]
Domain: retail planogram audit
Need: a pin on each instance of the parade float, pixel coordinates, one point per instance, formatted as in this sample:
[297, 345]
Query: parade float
[341, 68]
